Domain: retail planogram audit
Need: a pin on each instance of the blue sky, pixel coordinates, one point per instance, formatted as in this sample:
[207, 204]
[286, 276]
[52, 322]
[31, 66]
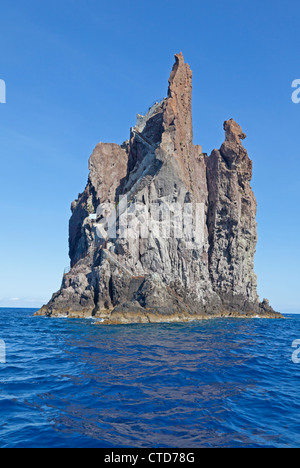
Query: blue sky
[77, 72]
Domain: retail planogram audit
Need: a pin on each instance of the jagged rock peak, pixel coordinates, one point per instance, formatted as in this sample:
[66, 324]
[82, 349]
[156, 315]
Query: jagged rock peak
[179, 102]
[181, 76]
[233, 131]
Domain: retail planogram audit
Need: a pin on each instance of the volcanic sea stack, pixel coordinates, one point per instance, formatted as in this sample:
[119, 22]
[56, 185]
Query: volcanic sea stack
[186, 250]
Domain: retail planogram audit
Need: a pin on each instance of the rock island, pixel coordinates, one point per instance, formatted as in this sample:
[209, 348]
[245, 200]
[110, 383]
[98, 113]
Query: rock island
[162, 231]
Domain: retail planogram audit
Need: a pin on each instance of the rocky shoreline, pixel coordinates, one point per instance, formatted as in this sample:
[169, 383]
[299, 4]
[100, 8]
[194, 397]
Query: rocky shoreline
[137, 316]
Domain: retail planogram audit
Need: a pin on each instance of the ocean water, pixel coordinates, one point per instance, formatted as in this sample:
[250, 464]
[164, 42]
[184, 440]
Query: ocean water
[218, 383]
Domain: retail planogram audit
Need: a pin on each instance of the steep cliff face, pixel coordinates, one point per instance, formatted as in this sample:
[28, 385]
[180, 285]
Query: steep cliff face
[172, 234]
[231, 221]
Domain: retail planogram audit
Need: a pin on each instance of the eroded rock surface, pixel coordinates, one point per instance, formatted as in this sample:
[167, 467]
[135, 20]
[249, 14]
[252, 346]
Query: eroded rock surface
[165, 277]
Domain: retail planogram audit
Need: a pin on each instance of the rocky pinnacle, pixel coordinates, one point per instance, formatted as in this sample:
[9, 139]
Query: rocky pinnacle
[195, 260]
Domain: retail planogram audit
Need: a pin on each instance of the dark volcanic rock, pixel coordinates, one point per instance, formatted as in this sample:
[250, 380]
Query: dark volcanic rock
[201, 267]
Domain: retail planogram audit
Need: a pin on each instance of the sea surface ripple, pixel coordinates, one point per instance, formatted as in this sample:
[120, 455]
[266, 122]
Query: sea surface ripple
[216, 383]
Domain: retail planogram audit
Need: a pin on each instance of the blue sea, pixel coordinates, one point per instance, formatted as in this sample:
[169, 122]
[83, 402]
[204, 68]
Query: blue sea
[216, 383]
